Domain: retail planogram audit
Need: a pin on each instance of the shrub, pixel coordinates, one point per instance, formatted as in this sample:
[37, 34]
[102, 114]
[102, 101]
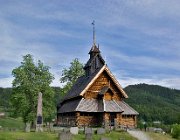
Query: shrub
[140, 125]
[175, 131]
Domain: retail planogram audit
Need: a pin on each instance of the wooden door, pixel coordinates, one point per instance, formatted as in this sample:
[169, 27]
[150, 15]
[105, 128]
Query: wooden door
[112, 117]
[99, 118]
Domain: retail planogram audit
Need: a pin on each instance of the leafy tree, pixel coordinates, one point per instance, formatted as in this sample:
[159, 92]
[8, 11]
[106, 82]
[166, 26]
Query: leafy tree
[71, 74]
[29, 80]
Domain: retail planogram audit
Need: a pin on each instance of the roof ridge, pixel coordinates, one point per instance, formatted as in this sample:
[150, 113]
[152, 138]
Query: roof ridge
[111, 76]
[92, 80]
[116, 82]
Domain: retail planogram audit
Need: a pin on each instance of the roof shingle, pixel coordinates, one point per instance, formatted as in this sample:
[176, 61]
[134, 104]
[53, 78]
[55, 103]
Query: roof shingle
[80, 85]
[94, 105]
[127, 109]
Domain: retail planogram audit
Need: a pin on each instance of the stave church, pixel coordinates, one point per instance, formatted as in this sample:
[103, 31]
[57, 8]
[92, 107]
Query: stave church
[97, 98]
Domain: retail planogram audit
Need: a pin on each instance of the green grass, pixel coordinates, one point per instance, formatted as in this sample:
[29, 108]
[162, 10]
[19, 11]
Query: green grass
[54, 136]
[27, 136]
[113, 136]
[159, 136]
[8, 122]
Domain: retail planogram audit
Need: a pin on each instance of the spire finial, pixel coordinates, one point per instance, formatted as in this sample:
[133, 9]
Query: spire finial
[94, 35]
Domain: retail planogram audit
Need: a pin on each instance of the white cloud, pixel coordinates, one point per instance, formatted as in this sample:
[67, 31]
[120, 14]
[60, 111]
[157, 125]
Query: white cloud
[6, 82]
[25, 27]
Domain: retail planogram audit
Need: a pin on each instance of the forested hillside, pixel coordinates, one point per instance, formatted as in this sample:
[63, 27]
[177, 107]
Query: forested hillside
[155, 102]
[4, 97]
[151, 101]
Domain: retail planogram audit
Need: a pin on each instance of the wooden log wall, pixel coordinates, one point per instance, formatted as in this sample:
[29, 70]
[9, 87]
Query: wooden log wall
[103, 80]
[67, 120]
[106, 116]
[86, 121]
[108, 95]
[127, 120]
[116, 96]
[100, 82]
[91, 94]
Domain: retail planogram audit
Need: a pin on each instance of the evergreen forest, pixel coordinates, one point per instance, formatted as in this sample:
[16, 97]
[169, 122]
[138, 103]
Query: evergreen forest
[153, 102]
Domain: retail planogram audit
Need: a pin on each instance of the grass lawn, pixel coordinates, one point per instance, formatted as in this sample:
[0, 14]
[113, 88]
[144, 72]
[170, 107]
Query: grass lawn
[27, 136]
[113, 136]
[159, 136]
[8, 122]
[54, 136]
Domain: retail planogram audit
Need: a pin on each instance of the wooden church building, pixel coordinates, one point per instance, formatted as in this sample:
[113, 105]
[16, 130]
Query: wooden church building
[96, 99]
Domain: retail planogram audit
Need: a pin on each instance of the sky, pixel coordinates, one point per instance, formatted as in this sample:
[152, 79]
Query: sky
[139, 39]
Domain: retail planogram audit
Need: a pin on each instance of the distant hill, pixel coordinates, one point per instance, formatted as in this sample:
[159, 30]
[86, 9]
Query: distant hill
[151, 101]
[155, 102]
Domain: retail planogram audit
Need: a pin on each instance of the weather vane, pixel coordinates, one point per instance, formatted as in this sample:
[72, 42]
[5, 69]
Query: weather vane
[94, 37]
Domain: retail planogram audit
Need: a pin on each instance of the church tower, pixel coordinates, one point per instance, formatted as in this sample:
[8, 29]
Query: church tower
[97, 98]
[96, 61]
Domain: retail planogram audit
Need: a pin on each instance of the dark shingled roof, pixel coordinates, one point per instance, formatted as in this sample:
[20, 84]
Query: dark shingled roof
[80, 85]
[127, 109]
[88, 64]
[69, 106]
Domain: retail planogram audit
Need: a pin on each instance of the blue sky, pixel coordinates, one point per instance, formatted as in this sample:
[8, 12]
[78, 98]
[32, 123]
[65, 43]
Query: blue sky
[140, 40]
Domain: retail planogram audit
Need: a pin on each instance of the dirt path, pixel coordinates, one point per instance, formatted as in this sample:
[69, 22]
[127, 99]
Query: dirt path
[140, 135]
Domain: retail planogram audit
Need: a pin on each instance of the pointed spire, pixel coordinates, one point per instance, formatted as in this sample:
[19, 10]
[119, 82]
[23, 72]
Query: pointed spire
[94, 35]
[94, 48]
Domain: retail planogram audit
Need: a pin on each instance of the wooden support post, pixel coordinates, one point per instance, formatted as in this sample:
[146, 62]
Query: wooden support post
[106, 121]
[77, 117]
